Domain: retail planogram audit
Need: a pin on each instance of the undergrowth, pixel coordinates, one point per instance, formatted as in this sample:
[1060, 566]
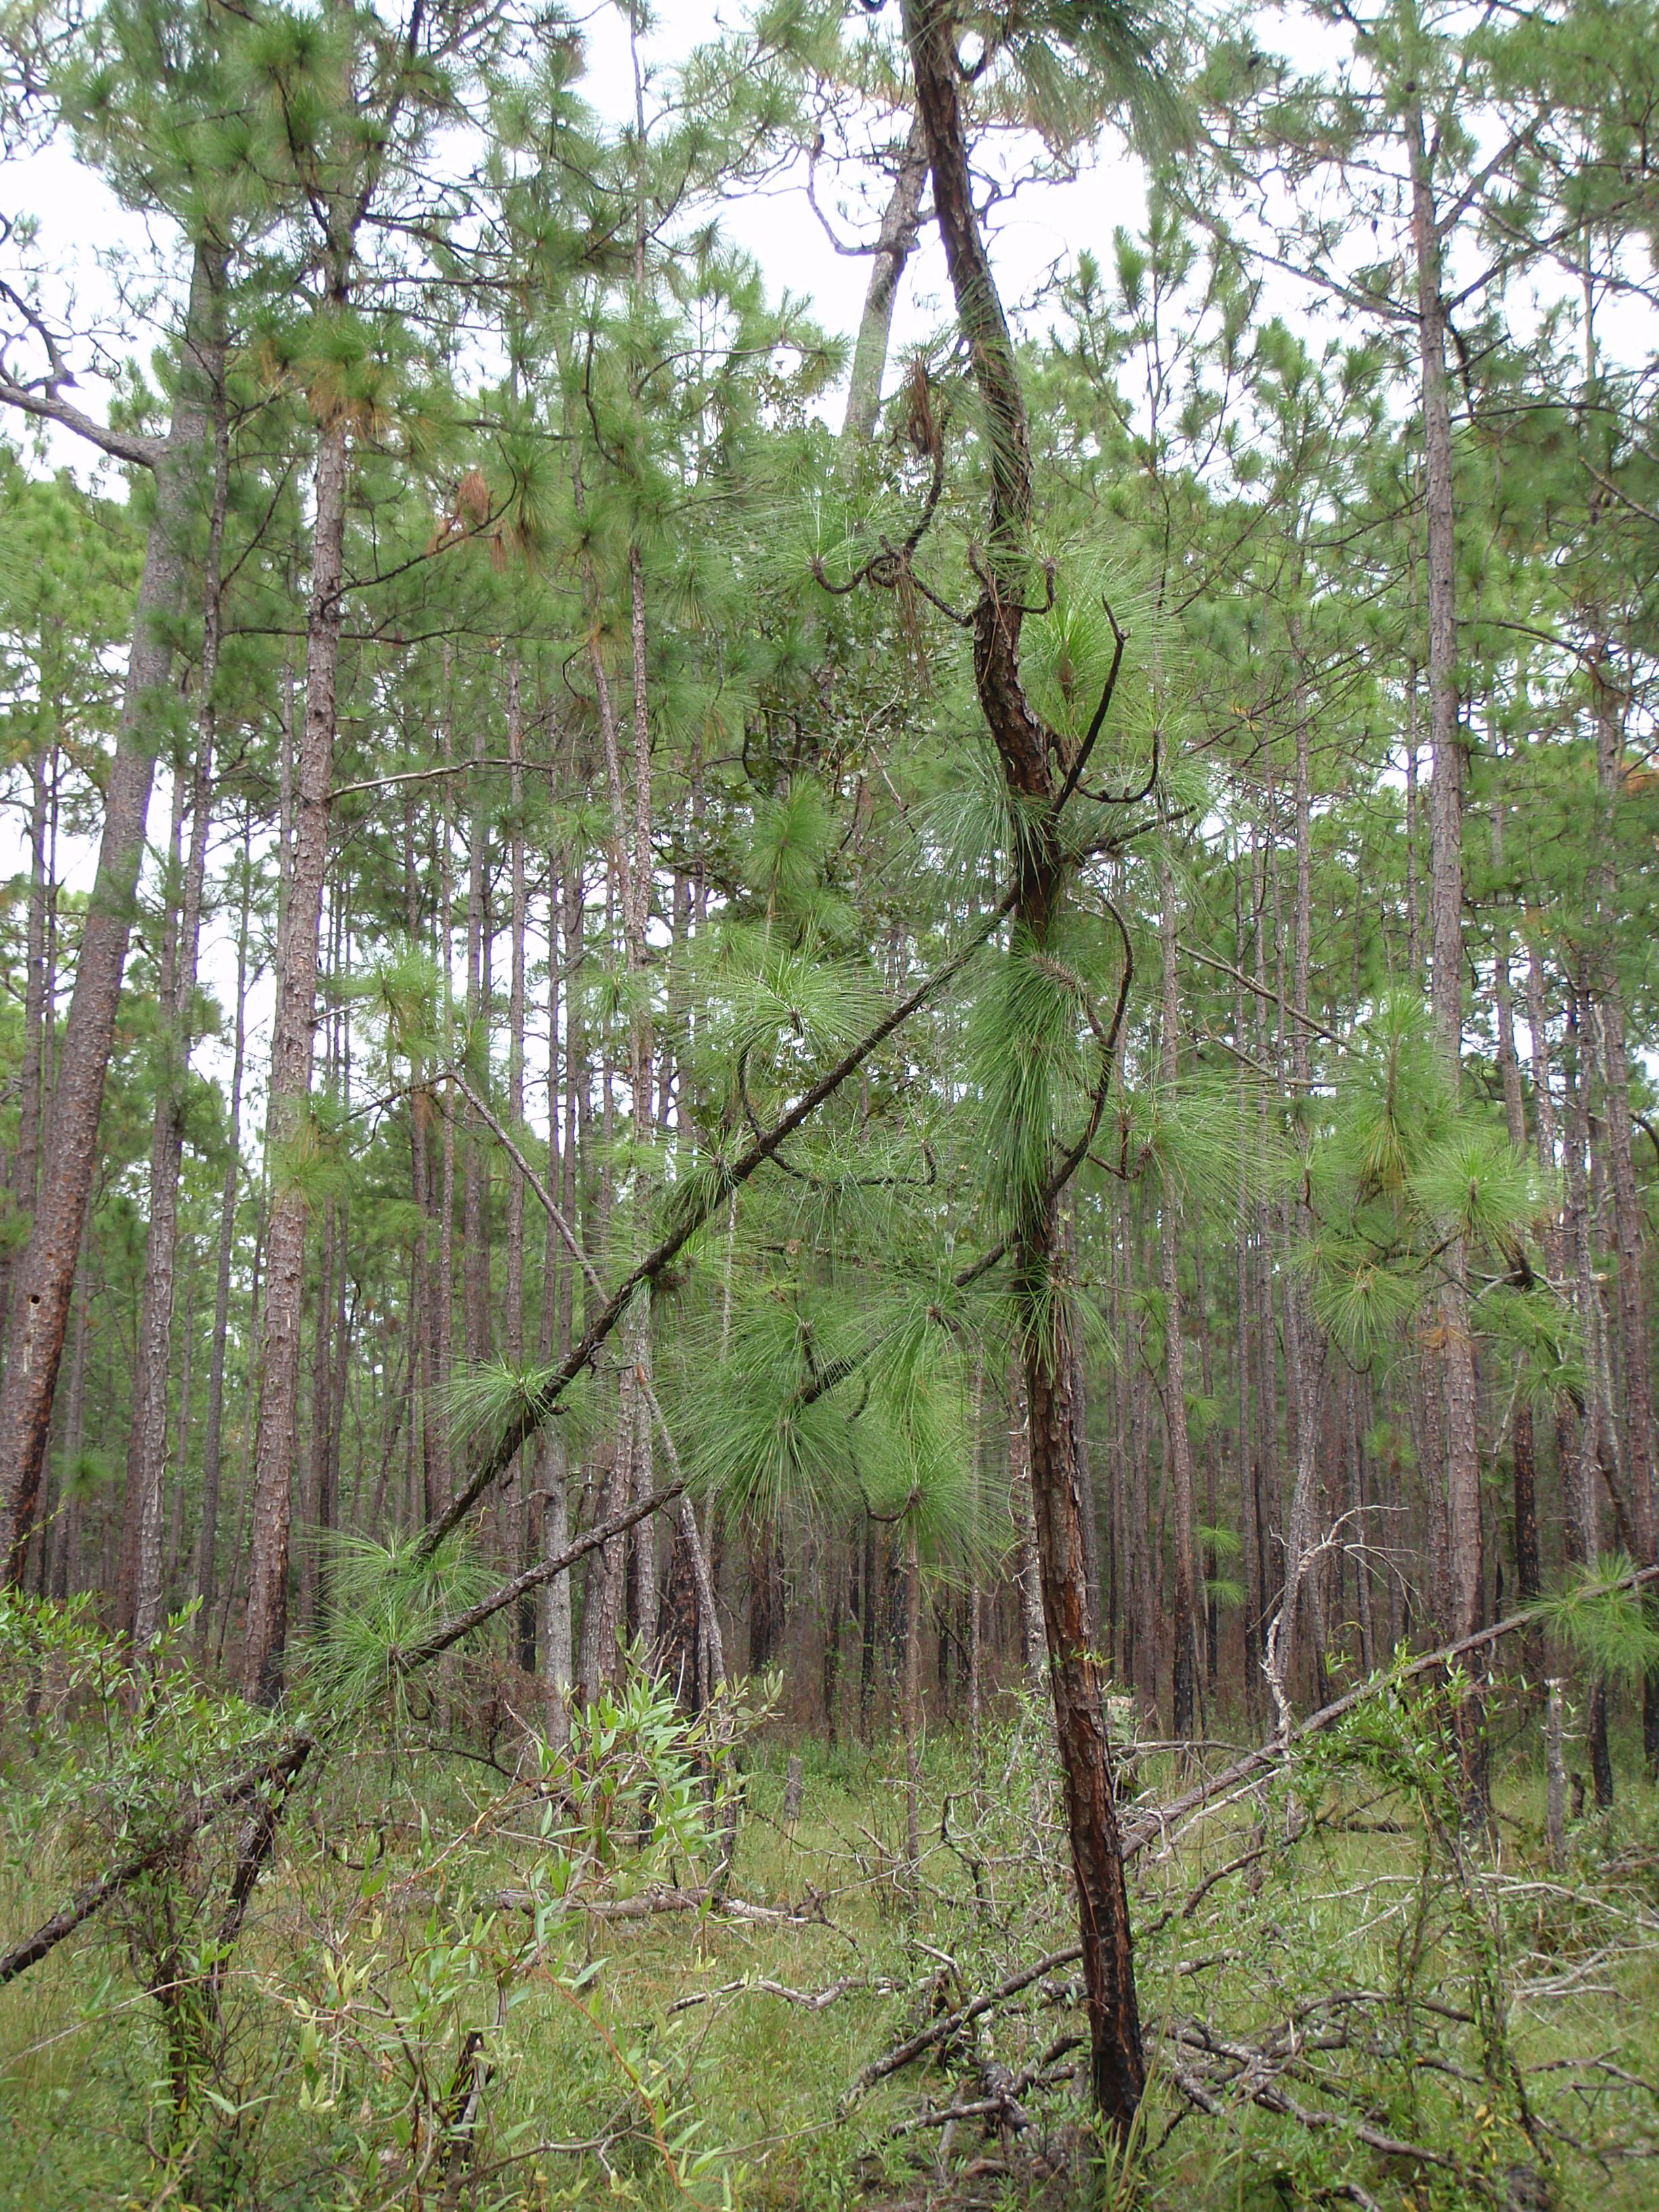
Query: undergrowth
[470, 1971]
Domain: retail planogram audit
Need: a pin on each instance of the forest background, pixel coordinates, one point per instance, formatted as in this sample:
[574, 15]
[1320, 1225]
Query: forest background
[728, 1048]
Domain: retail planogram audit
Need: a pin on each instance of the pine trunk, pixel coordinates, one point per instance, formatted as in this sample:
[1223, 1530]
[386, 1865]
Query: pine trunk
[289, 1088]
[1116, 2063]
[1456, 1357]
[213, 1441]
[42, 1284]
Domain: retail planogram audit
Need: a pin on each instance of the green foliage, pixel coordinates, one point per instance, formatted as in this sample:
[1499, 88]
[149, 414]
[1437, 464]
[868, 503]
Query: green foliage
[1607, 1620]
[382, 1601]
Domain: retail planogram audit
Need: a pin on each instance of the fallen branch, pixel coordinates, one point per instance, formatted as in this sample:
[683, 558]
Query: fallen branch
[1266, 2092]
[275, 1775]
[942, 2030]
[809, 2000]
[1271, 1755]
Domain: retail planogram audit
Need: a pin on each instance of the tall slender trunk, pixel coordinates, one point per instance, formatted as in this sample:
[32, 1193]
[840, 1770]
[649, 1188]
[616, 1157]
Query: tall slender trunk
[475, 1260]
[1635, 1355]
[167, 1155]
[1455, 1358]
[140, 1514]
[1184, 1649]
[213, 1442]
[519, 922]
[1529, 1584]
[559, 1290]
[43, 1282]
[1116, 2061]
[187, 1377]
[290, 1088]
[322, 1402]
[644, 1608]
[1583, 1502]
[25, 1162]
[66, 1563]
[895, 241]
[1414, 904]
[1031, 1568]
[911, 1703]
[1305, 1347]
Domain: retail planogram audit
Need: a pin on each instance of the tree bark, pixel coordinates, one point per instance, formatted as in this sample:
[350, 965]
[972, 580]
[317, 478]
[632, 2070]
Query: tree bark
[42, 1285]
[895, 242]
[1116, 2062]
[1455, 1360]
[290, 1086]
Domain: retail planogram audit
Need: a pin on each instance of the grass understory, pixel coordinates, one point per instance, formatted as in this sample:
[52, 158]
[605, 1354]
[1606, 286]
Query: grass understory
[416, 2013]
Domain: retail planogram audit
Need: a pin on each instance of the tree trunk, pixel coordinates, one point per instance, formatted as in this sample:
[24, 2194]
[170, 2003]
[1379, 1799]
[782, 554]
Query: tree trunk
[518, 923]
[66, 1562]
[1524, 1446]
[1455, 1360]
[1635, 1359]
[167, 1154]
[912, 1702]
[322, 1400]
[289, 1087]
[1583, 1504]
[1117, 2064]
[213, 1442]
[558, 1292]
[43, 1283]
[895, 241]
[475, 1262]
[138, 1582]
[1030, 1569]
[1184, 1649]
[26, 1163]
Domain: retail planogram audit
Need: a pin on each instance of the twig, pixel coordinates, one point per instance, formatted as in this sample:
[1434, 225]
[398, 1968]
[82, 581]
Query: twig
[941, 2030]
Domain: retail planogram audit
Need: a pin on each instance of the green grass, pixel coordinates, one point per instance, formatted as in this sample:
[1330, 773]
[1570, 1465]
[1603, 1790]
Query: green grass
[1350, 1896]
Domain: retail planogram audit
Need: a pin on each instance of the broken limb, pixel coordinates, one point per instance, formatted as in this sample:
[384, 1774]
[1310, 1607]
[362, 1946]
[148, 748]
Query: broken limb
[527, 1424]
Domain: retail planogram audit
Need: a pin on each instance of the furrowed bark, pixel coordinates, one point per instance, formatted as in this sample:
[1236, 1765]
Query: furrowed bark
[43, 1282]
[1117, 2063]
[290, 1086]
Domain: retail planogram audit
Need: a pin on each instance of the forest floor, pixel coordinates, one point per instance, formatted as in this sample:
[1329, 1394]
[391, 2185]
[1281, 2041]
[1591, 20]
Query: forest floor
[446, 1995]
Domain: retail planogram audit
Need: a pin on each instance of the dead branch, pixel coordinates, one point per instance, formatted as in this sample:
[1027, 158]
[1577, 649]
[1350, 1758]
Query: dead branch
[271, 1778]
[1276, 1753]
[941, 2030]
